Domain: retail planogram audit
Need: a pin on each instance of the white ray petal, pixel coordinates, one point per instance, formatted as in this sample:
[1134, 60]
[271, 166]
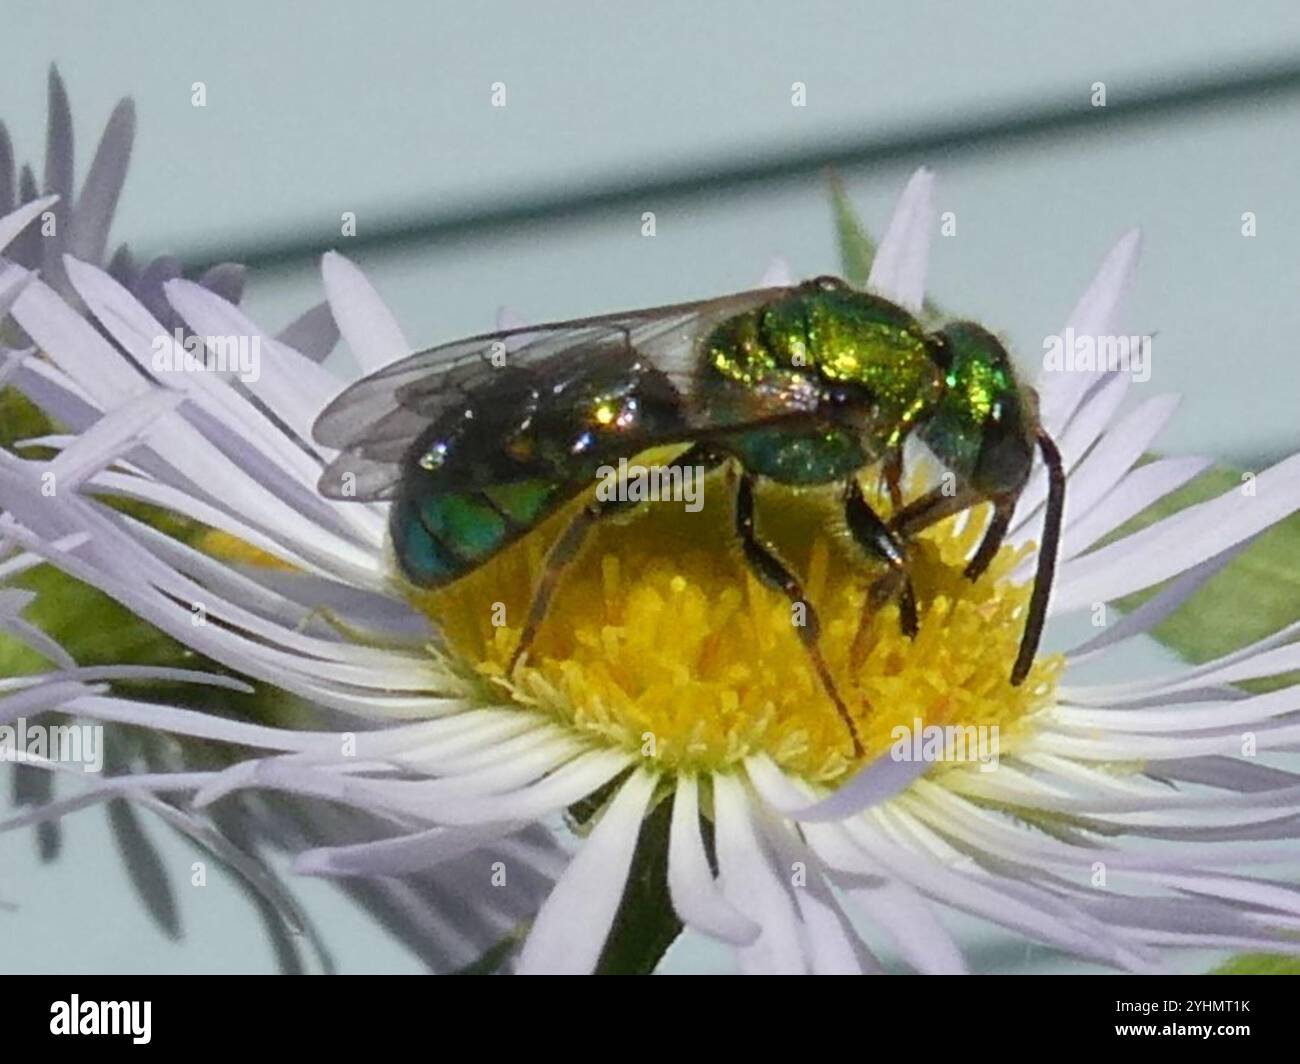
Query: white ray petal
[116, 433]
[1145, 747]
[1180, 541]
[363, 318]
[95, 364]
[899, 267]
[777, 274]
[75, 346]
[467, 734]
[15, 222]
[1138, 490]
[899, 911]
[1197, 716]
[133, 786]
[13, 279]
[1094, 315]
[563, 787]
[696, 897]
[548, 741]
[830, 944]
[398, 856]
[1185, 679]
[44, 696]
[753, 882]
[1082, 432]
[573, 924]
[1156, 608]
[1014, 905]
[875, 782]
[292, 386]
[1114, 455]
[46, 385]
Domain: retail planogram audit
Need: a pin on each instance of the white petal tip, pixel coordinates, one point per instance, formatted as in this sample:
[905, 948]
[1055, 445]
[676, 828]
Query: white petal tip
[778, 274]
[508, 318]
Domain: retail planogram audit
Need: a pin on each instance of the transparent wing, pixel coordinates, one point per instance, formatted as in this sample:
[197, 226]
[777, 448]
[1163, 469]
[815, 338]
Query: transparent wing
[375, 420]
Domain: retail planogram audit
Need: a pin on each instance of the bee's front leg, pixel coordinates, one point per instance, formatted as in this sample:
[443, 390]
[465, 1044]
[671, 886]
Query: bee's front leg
[876, 539]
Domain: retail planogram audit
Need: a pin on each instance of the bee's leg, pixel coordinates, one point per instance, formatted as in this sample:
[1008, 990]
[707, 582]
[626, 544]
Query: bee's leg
[566, 548]
[989, 546]
[773, 572]
[894, 478]
[932, 507]
[873, 536]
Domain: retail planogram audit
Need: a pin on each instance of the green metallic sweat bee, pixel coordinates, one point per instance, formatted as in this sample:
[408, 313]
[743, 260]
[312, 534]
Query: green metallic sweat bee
[477, 441]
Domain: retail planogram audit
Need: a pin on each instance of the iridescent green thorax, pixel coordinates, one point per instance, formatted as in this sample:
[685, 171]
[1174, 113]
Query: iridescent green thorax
[800, 347]
[857, 361]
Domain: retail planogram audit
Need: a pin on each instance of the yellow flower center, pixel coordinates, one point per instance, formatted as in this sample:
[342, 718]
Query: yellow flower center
[661, 641]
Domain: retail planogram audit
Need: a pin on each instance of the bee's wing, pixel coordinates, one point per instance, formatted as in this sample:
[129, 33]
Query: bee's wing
[375, 420]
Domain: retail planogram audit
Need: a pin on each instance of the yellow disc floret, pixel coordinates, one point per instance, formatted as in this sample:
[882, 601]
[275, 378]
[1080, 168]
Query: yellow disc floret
[659, 640]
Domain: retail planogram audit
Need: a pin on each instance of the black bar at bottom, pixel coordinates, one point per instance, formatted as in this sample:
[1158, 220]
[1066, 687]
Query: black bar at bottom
[382, 1014]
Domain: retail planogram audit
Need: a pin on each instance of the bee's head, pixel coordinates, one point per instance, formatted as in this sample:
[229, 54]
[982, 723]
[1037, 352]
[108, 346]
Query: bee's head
[985, 424]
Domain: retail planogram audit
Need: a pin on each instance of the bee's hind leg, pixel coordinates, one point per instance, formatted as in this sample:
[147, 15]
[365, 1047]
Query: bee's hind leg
[769, 568]
[566, 549]
[875, 537]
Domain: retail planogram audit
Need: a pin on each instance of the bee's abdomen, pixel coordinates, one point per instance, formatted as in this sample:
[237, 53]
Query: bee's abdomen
[439, 536]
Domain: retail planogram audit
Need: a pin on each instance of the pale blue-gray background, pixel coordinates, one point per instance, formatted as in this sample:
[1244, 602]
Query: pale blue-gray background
[314, 109]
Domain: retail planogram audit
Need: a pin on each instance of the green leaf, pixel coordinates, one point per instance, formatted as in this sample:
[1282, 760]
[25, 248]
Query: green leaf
[1260, 964]
[1256, 594]
[20, 418]
[496, 955]
[857, 249]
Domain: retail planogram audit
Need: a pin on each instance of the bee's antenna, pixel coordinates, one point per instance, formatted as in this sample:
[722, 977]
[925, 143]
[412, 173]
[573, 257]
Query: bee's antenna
[1047, 551]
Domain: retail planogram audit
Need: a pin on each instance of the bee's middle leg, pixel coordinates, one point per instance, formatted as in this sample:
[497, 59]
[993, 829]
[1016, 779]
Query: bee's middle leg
[875, 537]
[769, 568]
[937, 505]
[566, 549]
[1003, 508]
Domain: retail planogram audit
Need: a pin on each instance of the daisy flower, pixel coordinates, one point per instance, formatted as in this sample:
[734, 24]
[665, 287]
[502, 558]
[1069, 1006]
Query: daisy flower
[105, 643]
[52, 219]
[79, 223]
[667, 693]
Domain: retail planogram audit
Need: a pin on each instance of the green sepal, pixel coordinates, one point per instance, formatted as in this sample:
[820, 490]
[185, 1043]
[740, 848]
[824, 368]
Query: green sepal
[857, 249]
